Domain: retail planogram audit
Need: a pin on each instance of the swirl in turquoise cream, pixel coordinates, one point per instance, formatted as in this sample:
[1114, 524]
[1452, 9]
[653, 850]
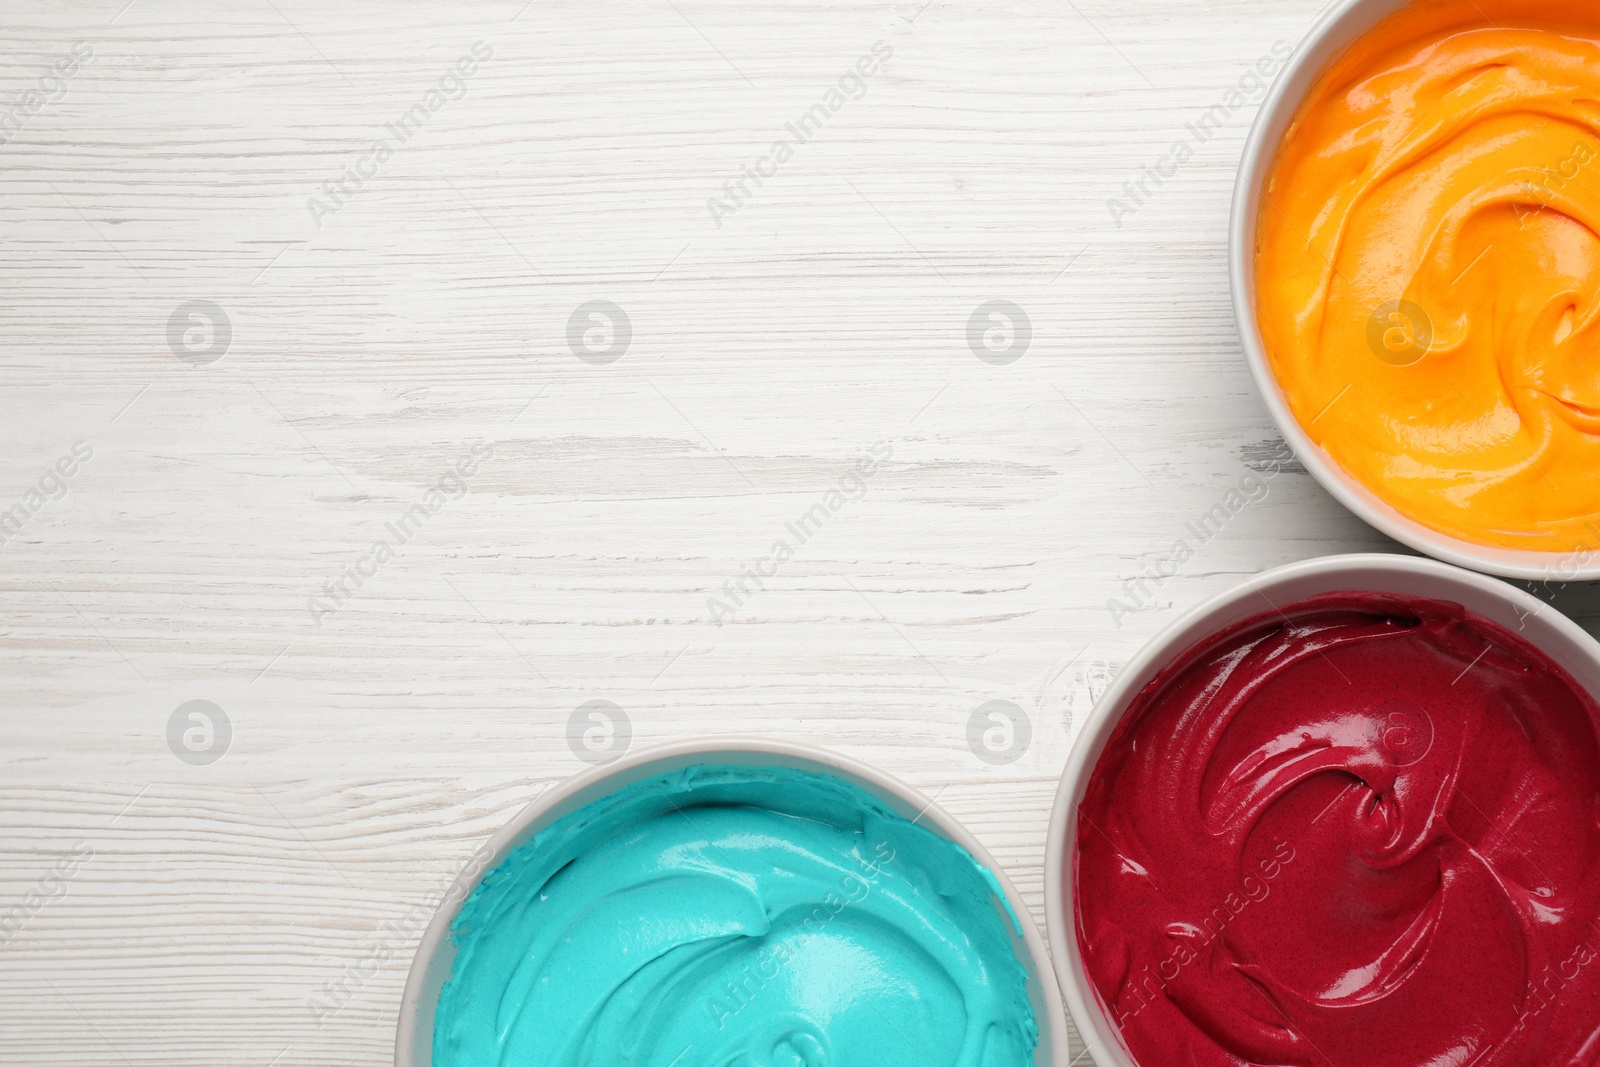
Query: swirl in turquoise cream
[736, 916]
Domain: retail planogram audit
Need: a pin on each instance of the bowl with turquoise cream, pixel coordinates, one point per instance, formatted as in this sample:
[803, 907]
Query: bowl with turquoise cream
[732, 904]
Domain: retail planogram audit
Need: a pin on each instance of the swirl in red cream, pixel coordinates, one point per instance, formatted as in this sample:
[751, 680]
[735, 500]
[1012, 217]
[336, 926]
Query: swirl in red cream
[1360, 832]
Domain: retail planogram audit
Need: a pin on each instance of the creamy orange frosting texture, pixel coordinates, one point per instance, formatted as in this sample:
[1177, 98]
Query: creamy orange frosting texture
[1428, 268]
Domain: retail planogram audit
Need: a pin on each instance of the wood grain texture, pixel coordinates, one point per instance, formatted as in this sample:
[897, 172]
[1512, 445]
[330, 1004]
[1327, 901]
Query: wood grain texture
[373, 747]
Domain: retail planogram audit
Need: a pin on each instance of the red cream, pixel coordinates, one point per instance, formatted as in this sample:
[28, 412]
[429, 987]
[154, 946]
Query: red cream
[1360, 832]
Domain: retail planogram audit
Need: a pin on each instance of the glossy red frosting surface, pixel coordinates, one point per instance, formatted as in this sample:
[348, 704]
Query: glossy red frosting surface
[1362, 831]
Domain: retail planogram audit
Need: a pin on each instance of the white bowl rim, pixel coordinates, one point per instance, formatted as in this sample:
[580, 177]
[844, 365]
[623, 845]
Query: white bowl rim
[1356, 572]
[1338, 27]
[596, 781]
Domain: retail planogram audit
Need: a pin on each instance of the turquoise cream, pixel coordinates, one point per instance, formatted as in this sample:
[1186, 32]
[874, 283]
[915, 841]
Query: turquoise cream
[736, 916]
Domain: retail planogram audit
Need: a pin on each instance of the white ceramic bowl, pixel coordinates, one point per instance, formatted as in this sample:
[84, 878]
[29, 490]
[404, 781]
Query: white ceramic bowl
[1336, 31]
[1535, 621]
[436, 954]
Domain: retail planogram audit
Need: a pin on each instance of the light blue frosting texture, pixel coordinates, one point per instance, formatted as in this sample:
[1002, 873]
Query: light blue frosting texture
[736, 916]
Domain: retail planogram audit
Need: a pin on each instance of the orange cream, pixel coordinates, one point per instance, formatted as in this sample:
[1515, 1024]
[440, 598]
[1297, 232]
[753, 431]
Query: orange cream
[1428, 268]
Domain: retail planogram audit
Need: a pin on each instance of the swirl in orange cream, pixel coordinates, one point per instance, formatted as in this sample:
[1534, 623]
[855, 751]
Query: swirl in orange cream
[1428, 268]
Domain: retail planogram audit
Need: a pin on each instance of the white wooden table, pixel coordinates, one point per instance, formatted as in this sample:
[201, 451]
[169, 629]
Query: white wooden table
[178, 893]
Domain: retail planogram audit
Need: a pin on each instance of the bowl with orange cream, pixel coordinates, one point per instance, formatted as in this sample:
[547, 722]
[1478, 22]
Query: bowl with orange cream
[1415, 261]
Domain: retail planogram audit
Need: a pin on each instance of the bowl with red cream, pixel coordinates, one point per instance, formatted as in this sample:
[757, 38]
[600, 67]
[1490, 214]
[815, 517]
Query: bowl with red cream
[1347, 812]
[1415, 263]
